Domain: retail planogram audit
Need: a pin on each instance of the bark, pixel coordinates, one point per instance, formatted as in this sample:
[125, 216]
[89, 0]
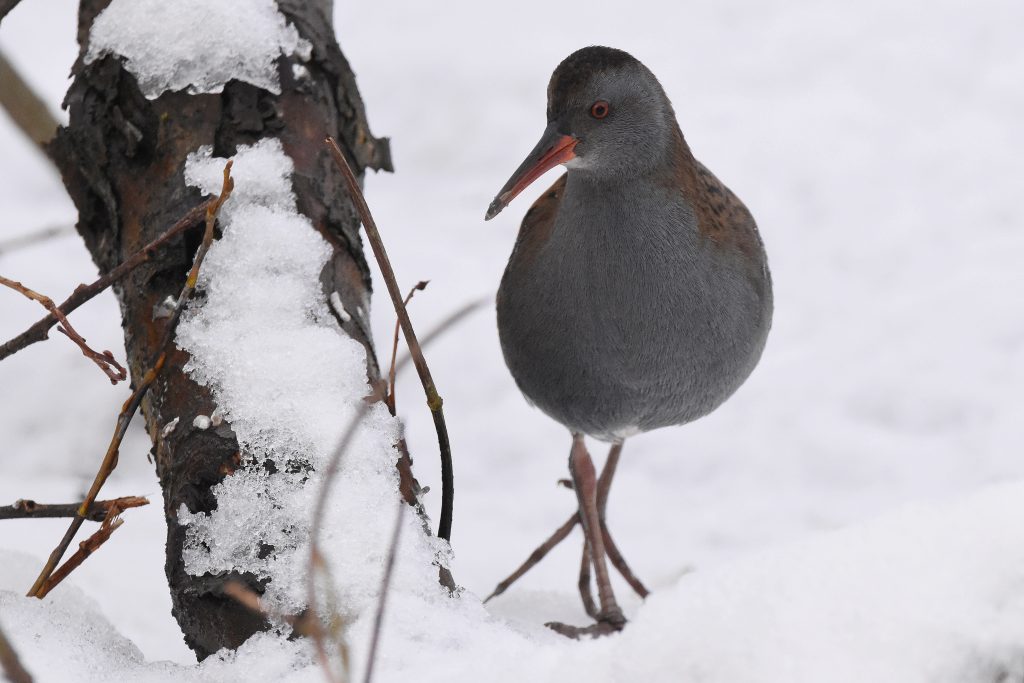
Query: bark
[122, 159]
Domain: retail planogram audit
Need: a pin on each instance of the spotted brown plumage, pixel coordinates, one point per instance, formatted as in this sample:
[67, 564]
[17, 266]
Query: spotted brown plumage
[637, 295]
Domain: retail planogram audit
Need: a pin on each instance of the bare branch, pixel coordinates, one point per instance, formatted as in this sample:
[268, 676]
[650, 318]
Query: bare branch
[22, 241]
[83, 293]
[9, 662]
[105, 361]
[27, 110]
[29, 509]
[390, 399]
[124, 418]
[434, 401]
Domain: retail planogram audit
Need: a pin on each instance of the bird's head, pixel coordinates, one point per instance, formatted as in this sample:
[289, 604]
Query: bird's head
[607, 116]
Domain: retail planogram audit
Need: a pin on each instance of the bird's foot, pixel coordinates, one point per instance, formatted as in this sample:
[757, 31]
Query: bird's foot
[605, 625]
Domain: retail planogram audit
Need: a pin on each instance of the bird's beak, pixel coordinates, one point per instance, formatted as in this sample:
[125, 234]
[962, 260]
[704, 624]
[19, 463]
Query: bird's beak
[554, 148]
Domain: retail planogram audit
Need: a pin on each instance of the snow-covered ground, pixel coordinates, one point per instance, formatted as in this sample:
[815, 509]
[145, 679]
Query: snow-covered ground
[855, 512]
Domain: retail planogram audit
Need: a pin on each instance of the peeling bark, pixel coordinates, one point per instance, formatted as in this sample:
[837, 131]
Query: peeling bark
[122, 159]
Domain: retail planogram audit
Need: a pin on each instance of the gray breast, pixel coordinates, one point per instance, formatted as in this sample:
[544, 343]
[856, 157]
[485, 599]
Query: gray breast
[628, 319]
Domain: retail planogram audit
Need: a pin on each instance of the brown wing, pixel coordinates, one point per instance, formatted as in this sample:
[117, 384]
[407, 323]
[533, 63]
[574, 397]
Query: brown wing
[538, 224]
[721, 215]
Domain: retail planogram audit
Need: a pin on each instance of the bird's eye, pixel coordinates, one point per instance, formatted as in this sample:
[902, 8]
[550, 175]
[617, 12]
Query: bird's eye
[599, 109]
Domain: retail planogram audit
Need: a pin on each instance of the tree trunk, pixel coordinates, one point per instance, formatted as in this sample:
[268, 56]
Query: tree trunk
[122, 159]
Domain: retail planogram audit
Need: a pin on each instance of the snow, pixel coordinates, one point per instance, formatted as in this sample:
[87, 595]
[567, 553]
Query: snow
[196, 44]
[289, 382]
[853, 513]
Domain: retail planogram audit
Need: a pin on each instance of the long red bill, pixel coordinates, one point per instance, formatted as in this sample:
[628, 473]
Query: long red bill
[553, 149]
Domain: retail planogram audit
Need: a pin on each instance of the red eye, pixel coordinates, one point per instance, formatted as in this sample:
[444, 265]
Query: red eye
[599, 109]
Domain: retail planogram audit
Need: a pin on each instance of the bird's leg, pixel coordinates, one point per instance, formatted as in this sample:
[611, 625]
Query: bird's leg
[536, 556]
[584, 478]
[604, 485]
[615, 557]
[584, 582]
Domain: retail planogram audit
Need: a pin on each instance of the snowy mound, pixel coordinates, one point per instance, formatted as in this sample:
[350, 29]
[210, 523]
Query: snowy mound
[926, 595]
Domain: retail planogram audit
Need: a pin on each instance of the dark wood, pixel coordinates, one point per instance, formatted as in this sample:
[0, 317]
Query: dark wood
[122, 158]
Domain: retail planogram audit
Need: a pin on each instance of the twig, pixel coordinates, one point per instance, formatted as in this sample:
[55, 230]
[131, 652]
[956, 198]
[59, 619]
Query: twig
[241, 593]
[130, 406]
[105, 361]
[390, 399]
[83, 293]
[29, 509]
[385, 587]
[316, 559]
[9, 662]
[111, 523]
[434, 401]
[27, 110]
[15, 243]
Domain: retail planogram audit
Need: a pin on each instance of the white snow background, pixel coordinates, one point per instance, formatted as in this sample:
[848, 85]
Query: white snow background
[854, 513]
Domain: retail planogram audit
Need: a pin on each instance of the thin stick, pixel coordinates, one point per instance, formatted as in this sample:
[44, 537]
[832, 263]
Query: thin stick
[22, 241]
[385, 586]
[9, 662]
[83, 293]
[105, 361]
[28, 111]
[130, 406]
[390, 399]
[29, 509]
[317, 563]
[434, 401]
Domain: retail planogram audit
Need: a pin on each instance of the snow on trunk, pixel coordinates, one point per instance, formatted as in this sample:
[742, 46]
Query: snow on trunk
[196, 44]
[262, 338]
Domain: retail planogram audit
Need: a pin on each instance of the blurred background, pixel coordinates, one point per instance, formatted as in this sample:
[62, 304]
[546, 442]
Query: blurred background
[878, 145]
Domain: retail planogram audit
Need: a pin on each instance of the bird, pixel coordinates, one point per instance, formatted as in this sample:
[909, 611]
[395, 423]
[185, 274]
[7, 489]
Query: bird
[637, 295]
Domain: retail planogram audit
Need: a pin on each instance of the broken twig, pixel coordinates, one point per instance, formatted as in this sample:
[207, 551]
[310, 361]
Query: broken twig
[130, 406]
[111, 523]
[105, 360]
[390, 399]
[434, 401]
